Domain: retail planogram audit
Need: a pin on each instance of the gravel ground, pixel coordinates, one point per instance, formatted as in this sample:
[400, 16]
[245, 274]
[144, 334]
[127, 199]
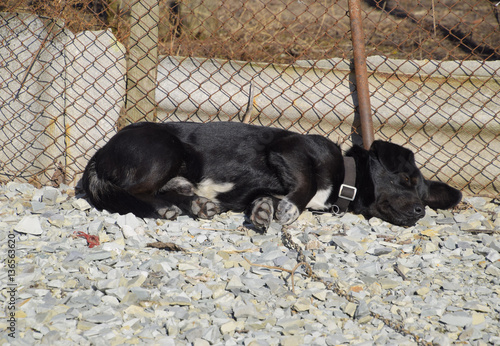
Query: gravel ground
[224, 284]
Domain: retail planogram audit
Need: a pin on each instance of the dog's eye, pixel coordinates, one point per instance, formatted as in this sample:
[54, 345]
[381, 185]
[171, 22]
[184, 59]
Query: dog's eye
[405, 179]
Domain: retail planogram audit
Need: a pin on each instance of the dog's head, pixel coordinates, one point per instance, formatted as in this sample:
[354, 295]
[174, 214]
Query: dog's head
[400, 191]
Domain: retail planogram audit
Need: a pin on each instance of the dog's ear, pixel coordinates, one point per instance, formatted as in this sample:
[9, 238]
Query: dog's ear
[440, 195]
[393, 157]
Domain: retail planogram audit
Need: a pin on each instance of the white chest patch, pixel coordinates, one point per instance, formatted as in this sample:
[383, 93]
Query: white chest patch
[209, 189]
[318, 202]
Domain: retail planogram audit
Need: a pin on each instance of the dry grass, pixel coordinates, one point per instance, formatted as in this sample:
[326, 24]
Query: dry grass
[285, 30]
[289, 30]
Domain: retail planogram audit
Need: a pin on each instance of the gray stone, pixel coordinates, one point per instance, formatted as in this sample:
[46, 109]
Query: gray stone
[350, 309]
[234, 284]
[493, 256]
[211, 334]
[290, 323]
[346, 244]
[141, 293]
[81, 204]
[492, 270]
[192, 334]
[335, 339]
[349, 218]
[460, 218]
[245, 311]
[444, 221]
[459, 319]
[470, 334]
[50, 195]
[129, 220]
[379, 251]
[450, 243]
[29, 225]
[37, 207]
[118, 292]
[370, 268]
[201, 342]
[97, 255]
[430, 311]
[101, 318]
[37, 195]
[51, 338]
[96, 226]
[441, 340]
[253, 283]
[361, 310]
[495, 245]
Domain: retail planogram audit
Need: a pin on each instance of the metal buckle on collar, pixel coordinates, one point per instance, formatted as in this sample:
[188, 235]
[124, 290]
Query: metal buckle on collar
[352, 193]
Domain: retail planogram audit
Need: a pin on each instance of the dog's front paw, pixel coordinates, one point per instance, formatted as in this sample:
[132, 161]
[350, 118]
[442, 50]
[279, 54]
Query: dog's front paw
[169, 213]
[204, 208]
[262, 213]
[287, 212]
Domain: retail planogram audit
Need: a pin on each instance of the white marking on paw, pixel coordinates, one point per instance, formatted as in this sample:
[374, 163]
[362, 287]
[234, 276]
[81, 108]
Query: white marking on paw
[180, 185]
[318, 202]
[209, 189]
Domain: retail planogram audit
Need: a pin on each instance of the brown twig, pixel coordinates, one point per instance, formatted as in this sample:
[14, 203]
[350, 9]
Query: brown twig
[166, 246]
[481, 231]
[291, 272]
[400, 273]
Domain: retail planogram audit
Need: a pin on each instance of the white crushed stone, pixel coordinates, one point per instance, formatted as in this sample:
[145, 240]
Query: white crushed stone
[439, 279]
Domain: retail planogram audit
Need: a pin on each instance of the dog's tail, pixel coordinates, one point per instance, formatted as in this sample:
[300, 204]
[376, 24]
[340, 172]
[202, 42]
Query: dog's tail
[104, 194]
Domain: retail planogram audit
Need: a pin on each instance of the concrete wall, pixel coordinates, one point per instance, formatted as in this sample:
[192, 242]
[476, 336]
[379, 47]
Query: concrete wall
[60, 96]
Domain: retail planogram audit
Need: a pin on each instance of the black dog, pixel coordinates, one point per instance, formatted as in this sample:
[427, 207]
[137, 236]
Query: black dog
[162, 170]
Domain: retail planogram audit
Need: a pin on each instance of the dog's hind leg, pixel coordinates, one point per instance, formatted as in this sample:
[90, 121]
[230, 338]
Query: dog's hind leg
[180, 191]
[172, 203]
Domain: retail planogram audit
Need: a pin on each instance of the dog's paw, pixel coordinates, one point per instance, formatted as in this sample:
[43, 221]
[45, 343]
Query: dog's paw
[262, 213]
[180, 185]
[287, 212]
[169, 213]
[204, 208]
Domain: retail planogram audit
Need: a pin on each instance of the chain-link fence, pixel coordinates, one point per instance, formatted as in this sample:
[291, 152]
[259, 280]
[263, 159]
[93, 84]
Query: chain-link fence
[72, 72]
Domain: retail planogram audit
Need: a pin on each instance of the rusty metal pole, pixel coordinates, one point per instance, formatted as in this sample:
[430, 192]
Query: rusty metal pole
[361, 73]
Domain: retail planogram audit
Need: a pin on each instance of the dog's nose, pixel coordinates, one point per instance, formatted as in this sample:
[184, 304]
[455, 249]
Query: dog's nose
[419, 210]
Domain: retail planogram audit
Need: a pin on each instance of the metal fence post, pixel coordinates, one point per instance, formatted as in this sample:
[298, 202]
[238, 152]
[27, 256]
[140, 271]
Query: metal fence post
[142, 62]
[361, 73]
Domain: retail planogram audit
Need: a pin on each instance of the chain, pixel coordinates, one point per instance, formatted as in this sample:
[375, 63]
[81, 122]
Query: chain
[334, 286]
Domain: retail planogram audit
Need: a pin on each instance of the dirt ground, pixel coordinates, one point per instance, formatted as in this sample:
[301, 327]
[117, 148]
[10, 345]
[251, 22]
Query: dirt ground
[285, 30]
[288, 30]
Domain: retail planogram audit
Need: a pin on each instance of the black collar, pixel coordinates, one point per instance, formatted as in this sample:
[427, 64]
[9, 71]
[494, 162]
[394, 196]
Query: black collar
[348, 190]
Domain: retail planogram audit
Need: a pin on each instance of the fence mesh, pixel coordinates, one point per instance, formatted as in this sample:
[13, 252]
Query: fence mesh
[434, 80]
